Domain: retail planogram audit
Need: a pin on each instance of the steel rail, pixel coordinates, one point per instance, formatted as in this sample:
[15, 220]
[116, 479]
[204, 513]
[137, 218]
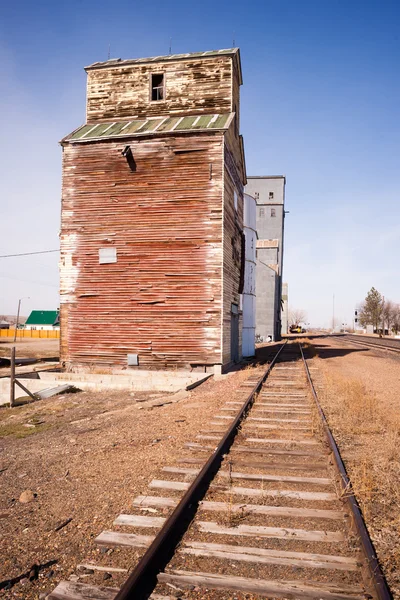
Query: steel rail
[143, 578]
[377, 577]
[385, 340]
[384, 347]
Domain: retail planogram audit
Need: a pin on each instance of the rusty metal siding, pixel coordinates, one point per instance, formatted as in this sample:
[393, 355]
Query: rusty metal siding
[162, 299]
[200, 86]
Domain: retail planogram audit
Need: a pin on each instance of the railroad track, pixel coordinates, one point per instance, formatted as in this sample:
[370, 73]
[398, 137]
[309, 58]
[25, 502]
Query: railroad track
[377, 343]
[257, 506]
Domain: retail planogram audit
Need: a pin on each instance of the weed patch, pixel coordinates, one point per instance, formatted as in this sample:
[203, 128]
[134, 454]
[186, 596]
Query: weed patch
[19, 431]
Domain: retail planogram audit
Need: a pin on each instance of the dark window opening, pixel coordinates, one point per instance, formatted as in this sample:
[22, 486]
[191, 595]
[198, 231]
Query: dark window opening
[273, 212]
[157, 86]
[271, 195]
[261, 212]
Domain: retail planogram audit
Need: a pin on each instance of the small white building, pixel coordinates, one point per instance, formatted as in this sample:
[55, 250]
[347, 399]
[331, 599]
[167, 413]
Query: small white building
[249, 289]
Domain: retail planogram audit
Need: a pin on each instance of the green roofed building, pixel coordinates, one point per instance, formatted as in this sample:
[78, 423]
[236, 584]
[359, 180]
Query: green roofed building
[43, 319]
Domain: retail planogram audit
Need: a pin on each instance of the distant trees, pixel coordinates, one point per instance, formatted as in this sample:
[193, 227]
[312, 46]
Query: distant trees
[371, 309]
[380, 313]
[296, 316]
[396, 319]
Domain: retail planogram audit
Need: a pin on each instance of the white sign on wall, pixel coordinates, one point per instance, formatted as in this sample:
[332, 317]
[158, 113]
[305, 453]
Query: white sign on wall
[107, 255]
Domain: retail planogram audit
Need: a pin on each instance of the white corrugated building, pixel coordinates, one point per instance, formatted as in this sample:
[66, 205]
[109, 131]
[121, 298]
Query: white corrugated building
[249, 289]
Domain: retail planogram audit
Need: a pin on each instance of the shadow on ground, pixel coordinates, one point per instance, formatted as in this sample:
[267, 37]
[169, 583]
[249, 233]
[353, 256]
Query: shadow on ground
[328, 352]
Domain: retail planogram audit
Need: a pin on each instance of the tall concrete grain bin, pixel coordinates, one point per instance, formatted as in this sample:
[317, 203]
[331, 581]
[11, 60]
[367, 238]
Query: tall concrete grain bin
[152, 260]
[269, 193]
[249, 290]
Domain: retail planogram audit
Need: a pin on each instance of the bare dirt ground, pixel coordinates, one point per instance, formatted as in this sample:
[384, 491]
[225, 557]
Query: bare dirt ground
[84, 457]
[30, 348]
[359, 391]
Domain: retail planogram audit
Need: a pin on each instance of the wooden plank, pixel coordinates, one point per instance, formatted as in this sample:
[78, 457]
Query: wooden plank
[281, 395]
[249, 450]
[181, 470]
[280, 441]
[106, 569]
[273, 451]
[260, 509]
[154, 501]
[229, 418]
[191, 460]
[72, 590]
[282, 478]
[169, 485]
[280, 411]
[283, 407]
[286, 589]
[285, 533]
[208, 437]
[280, 405]
[254, 492]
[139, 521]
[260, 493]
[196, 446]
[263, 556]
[113, 538]
[277, 511]
[276, 427]
[252, 476]
[273, 466]
[269, 420]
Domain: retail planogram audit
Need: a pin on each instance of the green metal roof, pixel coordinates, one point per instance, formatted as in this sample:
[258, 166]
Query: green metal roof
[150, 126]
[42, 317]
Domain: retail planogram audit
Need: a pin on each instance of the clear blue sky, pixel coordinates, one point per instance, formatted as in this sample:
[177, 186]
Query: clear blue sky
[320, 104]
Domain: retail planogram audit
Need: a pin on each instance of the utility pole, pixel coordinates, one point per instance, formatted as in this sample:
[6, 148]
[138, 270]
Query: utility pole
[333, 313]
[12, 378]
[16, 324]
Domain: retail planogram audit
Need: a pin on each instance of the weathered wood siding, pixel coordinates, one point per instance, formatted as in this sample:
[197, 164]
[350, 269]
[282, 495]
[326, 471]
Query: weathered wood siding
[193, 86]
[236, 96]
[233, 228]
[162, 299]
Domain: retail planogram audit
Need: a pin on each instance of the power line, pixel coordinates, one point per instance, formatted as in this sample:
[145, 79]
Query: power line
[28, 253]
[3, 276]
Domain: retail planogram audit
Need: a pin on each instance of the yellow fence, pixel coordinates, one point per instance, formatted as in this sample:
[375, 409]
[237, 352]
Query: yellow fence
[30, 333]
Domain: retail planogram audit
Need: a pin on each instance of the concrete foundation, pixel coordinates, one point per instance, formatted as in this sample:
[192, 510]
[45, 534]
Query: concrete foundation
[140, 381]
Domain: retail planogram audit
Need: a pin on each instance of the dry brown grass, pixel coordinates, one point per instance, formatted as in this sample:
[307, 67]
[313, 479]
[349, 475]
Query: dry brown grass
[356, 407]
[368, 434]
